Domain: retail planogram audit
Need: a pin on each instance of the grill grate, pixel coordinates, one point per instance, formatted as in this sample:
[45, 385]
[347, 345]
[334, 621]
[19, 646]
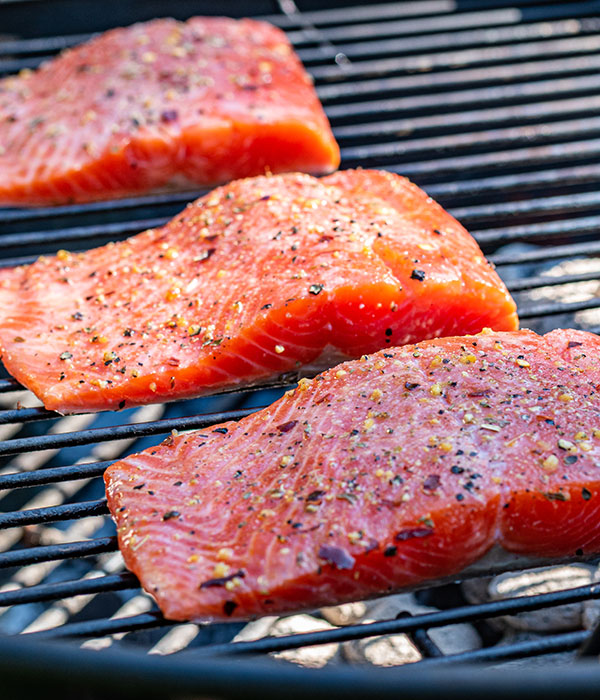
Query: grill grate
[495, 109]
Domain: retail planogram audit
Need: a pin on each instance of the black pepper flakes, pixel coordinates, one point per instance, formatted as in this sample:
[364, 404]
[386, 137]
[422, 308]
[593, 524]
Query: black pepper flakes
[65, 356]
[171, 514]
[585, 494]
[418, 275]
[228, 607]
[315, 289]
[216, 582]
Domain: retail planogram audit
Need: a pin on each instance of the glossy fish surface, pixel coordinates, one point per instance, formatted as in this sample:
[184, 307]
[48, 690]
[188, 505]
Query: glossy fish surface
[161, 104]
[400, 467]
[260, 277]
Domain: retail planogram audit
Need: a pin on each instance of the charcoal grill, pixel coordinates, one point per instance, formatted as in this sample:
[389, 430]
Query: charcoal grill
[494, 108]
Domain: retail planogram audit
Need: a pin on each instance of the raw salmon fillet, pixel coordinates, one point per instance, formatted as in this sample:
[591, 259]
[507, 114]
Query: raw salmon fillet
[401, 467]
[158, 104]
[258, 278]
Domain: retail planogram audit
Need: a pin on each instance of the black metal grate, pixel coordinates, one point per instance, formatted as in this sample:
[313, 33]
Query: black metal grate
[494, 108]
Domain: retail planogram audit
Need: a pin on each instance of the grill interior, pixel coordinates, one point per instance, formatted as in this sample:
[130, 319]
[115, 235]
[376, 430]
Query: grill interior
[493, 108]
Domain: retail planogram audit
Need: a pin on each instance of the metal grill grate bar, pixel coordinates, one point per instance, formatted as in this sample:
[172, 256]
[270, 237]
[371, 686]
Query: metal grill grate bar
[504, 184]
[366, 31]
[401, 625]
[543, 254]
[501, 94]
[362, 16]
[99, 628]
[556, 22]
[483, 18]
[534, 156]
[555, 308]
[519, 115]
[154, 200]
[35, 555]
[428, 648]
[543, 206]
[364, 13]
[569, 641]
[543, 232]
[550, 281]
[66, 589]
[463, 58]
[25, 415]
[469, 38]
[553, 131]
[450, 79]
[49, 45]
[118, 432]
[80, 232]
[35, 516]
[53, 475]
[7, 385]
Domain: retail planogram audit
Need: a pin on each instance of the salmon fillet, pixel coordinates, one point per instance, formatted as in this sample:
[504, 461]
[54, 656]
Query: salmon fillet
[401, 467]
[163, 103]
[260, 277]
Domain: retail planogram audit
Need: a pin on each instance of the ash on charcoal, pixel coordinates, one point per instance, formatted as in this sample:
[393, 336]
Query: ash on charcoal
[346, 614]
[398, 649]
[560, 293]
[392, 650]
[535, 582]
[574, 291]
[591, 608]
[312, 657]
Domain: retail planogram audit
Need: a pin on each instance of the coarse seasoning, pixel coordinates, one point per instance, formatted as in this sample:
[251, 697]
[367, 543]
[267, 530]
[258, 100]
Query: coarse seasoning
[353, 486]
